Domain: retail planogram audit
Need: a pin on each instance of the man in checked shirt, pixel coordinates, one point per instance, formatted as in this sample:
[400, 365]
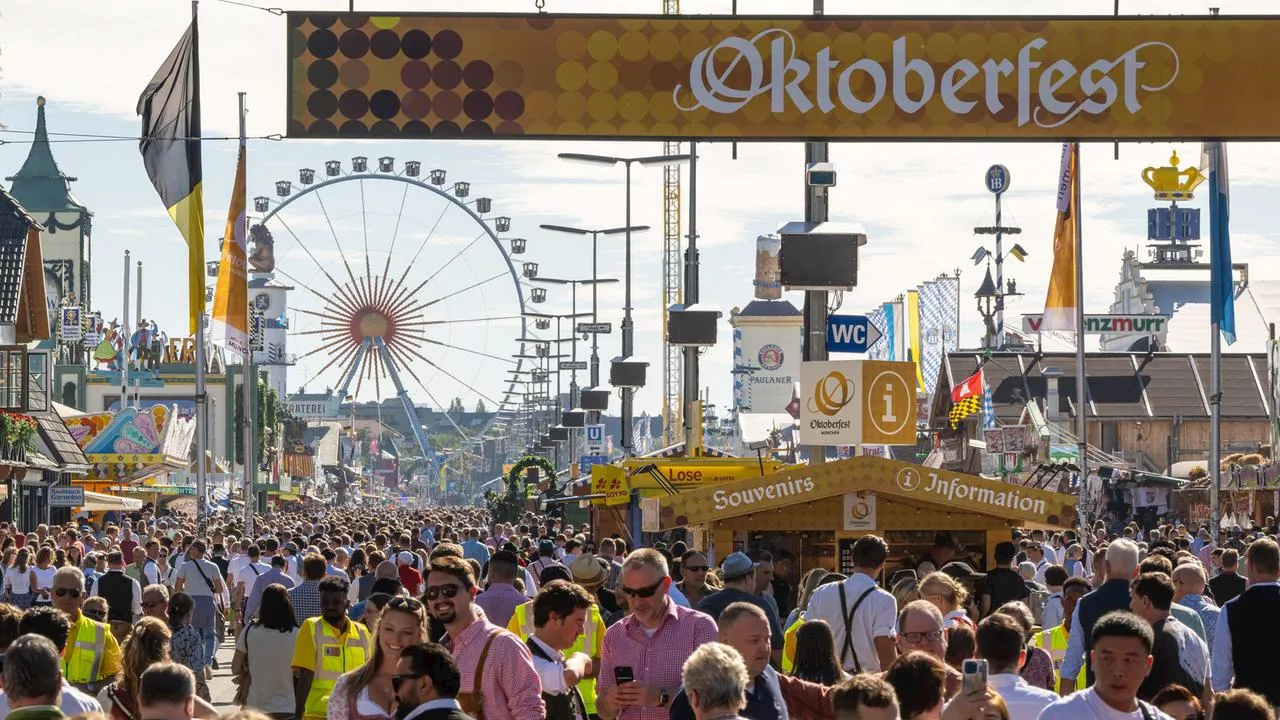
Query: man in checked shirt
[651, 643]
[499, 681]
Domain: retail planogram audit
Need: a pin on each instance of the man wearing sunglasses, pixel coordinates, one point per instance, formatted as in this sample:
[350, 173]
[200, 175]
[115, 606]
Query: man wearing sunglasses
[651, 643]
[426, 684]
[498, 680]
[92, 656]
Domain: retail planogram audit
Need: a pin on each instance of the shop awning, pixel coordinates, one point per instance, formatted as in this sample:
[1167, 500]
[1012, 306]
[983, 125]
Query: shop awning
[908, 482]
[98, 502]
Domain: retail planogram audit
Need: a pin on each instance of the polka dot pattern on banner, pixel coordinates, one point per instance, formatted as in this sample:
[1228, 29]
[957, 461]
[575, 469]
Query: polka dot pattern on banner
[362, 75]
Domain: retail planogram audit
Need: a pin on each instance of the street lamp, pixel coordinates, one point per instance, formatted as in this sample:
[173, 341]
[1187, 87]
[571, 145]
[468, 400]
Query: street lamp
[595, 305]
[628, 327]
[595, 336]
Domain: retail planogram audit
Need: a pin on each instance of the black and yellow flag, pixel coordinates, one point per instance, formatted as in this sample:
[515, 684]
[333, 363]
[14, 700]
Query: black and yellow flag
[170, 111]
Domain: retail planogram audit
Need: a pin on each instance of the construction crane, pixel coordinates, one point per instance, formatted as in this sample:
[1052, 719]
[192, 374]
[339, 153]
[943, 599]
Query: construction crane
[672, 282]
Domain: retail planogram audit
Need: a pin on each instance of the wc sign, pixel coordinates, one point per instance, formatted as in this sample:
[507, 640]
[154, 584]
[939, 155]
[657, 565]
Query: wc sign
[595, 440]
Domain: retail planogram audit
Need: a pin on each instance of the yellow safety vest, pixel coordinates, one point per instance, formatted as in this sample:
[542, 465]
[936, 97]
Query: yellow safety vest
[1054, 641]
[588, 642]
[789, 645]
[83, 658]
[335, 655]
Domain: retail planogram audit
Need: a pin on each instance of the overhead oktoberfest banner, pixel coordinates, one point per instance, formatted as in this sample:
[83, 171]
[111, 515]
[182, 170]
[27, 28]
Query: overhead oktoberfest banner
[978, 78]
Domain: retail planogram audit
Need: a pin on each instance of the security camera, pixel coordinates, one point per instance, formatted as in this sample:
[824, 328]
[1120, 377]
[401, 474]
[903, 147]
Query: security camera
[821, 174]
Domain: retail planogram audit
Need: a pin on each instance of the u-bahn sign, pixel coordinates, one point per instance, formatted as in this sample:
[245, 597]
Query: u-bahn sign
[956, 78]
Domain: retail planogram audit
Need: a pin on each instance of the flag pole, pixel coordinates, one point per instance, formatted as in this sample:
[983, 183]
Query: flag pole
[1082, 407]
[124, 341]
[1215, 358]
[202, 407]
[250, 379]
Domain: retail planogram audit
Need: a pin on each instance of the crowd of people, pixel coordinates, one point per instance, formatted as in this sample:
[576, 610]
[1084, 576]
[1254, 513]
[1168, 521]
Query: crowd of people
[439, 613]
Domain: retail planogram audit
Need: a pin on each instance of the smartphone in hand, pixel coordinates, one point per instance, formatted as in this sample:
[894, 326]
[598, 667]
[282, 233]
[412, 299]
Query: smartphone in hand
[975, 676]
[623, 674]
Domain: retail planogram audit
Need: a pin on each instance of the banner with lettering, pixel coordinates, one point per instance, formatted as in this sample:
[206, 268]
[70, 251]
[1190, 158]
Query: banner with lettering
[357, 75]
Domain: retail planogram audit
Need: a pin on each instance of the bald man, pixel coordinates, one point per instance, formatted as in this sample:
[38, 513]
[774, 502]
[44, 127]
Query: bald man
[1188, 590]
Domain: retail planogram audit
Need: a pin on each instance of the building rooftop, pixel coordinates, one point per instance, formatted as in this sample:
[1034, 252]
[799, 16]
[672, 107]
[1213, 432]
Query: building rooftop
[39, 184]
[1121, 385]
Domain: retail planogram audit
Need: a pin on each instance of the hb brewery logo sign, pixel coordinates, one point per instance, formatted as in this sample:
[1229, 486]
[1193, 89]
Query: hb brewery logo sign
[980, 78]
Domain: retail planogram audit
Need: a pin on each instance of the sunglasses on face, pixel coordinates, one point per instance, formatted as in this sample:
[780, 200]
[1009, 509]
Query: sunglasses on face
[643, 592]
[436, 591]
[94, 615]
[63, 592]
[915, 638]
[696, 568]
[398, 680]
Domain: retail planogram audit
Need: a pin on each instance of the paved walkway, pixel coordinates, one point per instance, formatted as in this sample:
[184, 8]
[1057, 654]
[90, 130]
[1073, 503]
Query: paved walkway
[221, 689]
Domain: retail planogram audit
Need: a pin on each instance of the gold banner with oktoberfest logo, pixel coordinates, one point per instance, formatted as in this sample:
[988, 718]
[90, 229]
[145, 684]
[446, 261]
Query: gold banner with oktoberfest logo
[979, 78]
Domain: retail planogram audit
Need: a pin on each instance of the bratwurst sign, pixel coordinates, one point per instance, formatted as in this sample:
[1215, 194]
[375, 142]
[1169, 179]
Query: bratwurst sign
[980, 78]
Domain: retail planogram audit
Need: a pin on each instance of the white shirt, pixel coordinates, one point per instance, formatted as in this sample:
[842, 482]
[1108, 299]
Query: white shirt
[1025, 701]
[73, 702]
[877, 617]
[551, 673]
[1051, 616]
[1041, 567]
[136, 603]
[18, 583]
[1086, 705]
[437, 704]
[1223, 667]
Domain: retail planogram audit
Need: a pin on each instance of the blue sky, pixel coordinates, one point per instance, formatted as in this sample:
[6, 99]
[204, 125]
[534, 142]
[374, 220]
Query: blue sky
[918, 202]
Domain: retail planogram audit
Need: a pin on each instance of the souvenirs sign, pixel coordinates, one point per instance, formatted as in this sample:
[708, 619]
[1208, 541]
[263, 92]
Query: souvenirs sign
[980, 78]
[882, 478]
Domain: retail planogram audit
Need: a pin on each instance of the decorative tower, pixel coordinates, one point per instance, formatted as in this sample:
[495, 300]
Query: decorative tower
[1172, 230]
[45, 191]
[991, 295]
[767, 335]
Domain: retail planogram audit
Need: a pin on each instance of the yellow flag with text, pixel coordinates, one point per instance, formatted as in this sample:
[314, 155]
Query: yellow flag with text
[1061, 302]
[231, 297]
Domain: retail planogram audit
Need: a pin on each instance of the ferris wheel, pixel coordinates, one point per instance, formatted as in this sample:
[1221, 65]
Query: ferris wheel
[402, 286]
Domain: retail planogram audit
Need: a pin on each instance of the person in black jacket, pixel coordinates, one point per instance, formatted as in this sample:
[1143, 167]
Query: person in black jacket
[1228, 584]
[426, 684]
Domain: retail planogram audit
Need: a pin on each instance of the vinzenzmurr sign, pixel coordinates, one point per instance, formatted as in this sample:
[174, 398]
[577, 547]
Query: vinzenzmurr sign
[977, 78]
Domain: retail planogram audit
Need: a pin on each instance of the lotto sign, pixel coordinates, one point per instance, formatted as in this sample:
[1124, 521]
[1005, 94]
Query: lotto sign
[595, 439]
[858, 401]
[359, 75]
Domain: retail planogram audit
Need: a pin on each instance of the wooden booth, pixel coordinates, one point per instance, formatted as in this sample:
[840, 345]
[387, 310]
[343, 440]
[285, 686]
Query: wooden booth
[817, 511]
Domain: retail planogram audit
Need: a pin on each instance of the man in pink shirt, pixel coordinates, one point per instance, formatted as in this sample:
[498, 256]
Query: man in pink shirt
[651, 644]
[498, 676]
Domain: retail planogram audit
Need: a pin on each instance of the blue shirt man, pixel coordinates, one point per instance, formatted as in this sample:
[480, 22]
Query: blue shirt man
[276, 574]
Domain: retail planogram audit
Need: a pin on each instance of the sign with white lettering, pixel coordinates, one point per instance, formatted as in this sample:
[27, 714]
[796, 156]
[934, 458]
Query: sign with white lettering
[772, 77]
[313, 409]
[595, 439]
[899, 482]
[1101, 324]
[851, 333]
[66, 496]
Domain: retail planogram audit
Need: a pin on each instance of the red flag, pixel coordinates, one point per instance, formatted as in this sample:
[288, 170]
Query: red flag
[971, 386]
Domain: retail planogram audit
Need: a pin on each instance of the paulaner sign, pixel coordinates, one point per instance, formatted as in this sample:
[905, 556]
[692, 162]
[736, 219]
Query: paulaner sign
[980, 78]
[1100, 324]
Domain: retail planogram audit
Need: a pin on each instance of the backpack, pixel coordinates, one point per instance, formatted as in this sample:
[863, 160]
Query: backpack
[1036, 600]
